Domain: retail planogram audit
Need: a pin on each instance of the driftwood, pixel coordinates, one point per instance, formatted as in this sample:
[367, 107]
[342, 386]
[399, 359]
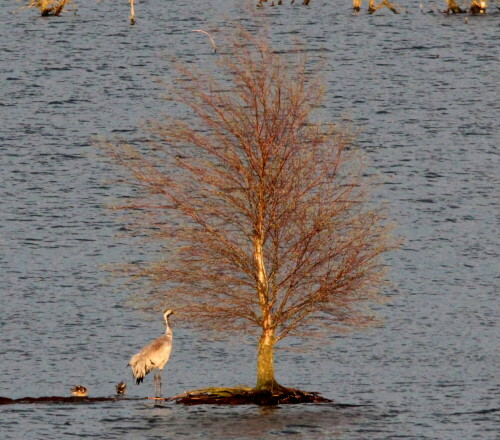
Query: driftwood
[390, 6]
[384, 3]
[61, 399]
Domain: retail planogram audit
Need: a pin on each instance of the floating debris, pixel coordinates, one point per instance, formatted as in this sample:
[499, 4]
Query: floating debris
[63, 399]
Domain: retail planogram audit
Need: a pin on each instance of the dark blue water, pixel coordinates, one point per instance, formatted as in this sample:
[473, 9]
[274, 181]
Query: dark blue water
[423, 92]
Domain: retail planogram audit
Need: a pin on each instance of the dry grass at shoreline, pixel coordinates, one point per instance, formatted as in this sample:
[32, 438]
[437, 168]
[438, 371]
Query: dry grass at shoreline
[49, 7]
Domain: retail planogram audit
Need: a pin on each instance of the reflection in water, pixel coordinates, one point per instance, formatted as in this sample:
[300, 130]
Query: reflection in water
[251, 422]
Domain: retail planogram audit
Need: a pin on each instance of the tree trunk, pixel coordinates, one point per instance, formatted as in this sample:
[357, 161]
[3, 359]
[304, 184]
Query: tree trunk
[265, 367]
[132, 12]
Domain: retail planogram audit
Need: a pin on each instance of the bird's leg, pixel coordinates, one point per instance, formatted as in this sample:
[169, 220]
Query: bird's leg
[159, 381]
[156, 383]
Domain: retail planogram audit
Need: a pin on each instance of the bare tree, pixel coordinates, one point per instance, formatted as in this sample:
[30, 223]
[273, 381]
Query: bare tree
[264, 215]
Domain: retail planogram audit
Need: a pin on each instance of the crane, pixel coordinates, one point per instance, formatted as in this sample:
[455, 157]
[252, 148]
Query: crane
[153, 356]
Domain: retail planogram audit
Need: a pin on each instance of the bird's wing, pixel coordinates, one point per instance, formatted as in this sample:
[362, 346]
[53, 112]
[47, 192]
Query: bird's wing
[158, 351]
[156, 345]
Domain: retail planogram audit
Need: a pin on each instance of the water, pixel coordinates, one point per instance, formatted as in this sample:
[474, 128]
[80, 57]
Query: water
[424, 92]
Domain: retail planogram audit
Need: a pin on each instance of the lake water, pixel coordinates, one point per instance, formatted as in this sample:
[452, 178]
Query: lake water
[424, 92]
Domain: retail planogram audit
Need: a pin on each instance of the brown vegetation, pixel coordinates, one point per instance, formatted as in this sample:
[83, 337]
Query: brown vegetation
[49, 7]
[383, 3]
[280, 2]
[264, 215]
[453, 7]
[478, 7]
[61, 399]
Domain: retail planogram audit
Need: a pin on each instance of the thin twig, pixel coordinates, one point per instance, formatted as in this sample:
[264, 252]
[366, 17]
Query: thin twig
[212, 41]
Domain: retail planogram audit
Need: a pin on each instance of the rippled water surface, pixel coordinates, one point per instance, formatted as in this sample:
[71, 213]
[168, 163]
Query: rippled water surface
[422, 89]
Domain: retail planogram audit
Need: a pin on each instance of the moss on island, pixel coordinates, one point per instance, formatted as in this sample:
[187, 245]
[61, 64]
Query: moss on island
[247, 396]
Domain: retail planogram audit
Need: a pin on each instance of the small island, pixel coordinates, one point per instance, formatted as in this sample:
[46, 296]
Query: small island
[247, 396]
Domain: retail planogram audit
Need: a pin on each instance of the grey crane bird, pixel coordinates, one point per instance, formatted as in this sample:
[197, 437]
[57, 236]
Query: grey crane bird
[153, 356]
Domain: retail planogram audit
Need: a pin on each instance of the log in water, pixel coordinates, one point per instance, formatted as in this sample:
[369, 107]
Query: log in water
[62, 399]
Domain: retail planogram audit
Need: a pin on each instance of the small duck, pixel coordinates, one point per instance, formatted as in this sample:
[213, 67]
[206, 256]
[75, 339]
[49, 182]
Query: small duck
[79, 391]
[121, 388]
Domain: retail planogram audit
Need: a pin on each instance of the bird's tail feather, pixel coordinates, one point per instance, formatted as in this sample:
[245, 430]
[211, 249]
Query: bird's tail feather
[140, 367]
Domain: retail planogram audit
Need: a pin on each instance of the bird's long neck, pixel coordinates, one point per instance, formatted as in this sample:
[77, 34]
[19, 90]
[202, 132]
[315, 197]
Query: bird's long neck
[168, 330]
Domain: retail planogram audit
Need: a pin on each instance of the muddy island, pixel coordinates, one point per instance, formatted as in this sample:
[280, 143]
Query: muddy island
[247, 396]
[204, 396]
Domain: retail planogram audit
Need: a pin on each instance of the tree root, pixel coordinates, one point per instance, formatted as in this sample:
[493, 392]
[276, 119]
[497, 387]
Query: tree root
[247, 396]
